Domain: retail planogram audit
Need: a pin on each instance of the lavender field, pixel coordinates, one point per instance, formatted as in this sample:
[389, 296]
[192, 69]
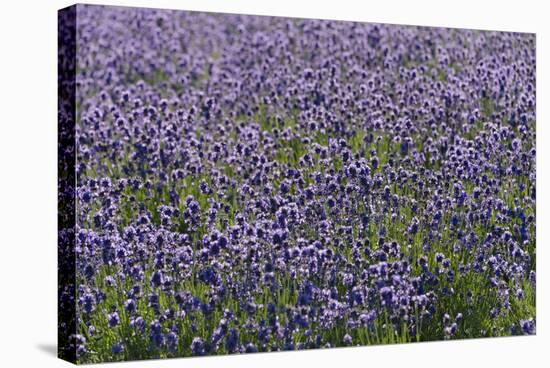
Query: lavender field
[254, 184]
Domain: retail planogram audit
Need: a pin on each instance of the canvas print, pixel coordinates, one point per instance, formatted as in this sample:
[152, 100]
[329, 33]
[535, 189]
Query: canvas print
[239, 184]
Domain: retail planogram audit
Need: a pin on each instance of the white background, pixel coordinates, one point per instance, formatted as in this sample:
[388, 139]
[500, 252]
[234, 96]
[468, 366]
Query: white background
[28, 207]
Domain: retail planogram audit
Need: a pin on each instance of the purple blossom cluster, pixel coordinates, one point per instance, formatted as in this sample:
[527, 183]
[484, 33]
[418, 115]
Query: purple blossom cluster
[251, 184]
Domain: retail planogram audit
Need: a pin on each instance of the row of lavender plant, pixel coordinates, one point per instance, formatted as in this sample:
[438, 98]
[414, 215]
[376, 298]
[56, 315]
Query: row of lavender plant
[252, 184]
